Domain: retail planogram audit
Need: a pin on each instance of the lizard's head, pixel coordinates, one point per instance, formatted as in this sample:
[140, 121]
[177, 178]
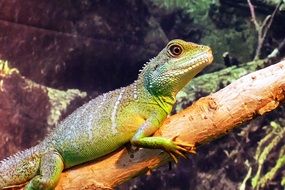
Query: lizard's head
[175, 66]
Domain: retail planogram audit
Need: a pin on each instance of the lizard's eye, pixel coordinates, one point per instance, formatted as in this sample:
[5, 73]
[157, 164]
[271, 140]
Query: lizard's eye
[175, 50]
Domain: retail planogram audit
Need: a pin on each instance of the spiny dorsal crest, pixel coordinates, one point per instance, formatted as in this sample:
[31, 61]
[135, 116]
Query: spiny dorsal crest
[14, 159]
[153, 63]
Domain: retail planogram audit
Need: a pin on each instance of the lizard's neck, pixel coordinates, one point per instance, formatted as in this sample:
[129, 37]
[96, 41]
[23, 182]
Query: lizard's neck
[141, 93]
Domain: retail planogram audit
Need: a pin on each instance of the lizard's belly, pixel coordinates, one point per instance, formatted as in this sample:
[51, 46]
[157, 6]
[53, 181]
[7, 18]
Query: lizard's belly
[81, 149]
[85, 141]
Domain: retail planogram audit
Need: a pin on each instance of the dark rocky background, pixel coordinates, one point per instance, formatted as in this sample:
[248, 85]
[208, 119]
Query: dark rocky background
[99, 45]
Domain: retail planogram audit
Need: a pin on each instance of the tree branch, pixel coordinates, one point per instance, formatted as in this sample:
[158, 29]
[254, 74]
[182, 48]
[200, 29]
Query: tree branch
[262, 29]
[207, 119]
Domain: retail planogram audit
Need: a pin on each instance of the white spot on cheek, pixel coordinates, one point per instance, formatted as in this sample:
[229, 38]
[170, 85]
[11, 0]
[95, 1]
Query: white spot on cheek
[113, 116]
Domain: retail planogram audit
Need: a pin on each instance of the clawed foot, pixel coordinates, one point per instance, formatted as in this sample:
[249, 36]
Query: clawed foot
[173, 147]
[181, 149]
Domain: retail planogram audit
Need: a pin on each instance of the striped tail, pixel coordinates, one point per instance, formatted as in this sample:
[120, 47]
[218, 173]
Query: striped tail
[19, 168]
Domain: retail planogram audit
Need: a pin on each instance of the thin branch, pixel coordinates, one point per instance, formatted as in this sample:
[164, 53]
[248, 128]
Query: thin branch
[252, 13]
[262, 30]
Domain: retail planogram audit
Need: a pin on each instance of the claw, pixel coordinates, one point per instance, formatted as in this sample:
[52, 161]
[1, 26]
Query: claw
[185, 155]
[181, 148]
[186, 147]
[184, 144]
[173, 157]
[180, 154]
[174, 138]
[193, 150]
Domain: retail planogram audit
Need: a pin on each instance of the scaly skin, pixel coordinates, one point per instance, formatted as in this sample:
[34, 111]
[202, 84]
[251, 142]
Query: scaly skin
[129, 114]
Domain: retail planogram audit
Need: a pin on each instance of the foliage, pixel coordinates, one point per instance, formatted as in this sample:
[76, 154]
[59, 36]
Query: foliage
[5, 68]
[218, 26]
[269, 144]
[195, 7]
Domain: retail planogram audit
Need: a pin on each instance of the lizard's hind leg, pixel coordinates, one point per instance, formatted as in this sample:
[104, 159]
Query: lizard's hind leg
[50, 169]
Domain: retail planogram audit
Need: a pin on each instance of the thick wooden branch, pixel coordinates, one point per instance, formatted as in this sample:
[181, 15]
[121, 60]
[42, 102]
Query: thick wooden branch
[207, 119]
[212, 82]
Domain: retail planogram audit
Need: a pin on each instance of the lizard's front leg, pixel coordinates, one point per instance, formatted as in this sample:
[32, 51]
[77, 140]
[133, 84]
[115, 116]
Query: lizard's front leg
[143, 138]
[49, 174]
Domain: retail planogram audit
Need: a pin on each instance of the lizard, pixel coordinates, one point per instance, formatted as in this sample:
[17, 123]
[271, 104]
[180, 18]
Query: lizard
[102, 125]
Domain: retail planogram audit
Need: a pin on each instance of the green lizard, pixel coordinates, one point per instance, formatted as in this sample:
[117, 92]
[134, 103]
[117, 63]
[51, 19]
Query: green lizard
[129, 114]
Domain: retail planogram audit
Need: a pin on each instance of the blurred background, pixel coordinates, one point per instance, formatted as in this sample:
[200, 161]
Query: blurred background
[62, 53]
